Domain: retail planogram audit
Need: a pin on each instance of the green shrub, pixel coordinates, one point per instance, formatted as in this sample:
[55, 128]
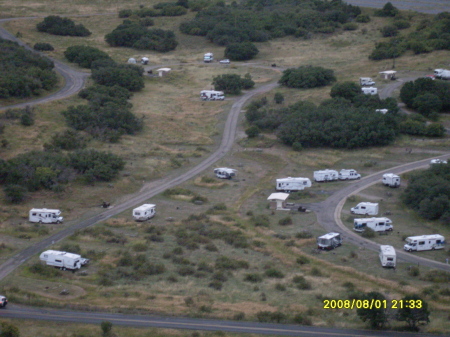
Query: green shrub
[316, 272]
[275, 273]
[302, 260]
[368, 233]
[286, 221]
[253, 278]
[252, 132]
[302, 319]
[186, 271]
[280, 287]
[260, 220]
[42, 46]
[350, 26]
[61, 26]
[216, 285]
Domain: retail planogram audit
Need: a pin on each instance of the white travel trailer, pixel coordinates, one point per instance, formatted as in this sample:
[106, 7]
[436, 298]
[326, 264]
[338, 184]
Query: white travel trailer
[292, 184]
[326, 175]
[350, 174]
[225, 172]
[63, 260]
[442, 74]
[144, 212]
[144, 60]
[424, 242]
[366, 81]
[329, 241]
[365, 208]
[44, 215]
[208, 57]
[377, 224]
[388, 257]
[370, 91]
[391, 180]
[211, 95]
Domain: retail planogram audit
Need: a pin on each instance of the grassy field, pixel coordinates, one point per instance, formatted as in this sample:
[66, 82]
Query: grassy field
[179, 131]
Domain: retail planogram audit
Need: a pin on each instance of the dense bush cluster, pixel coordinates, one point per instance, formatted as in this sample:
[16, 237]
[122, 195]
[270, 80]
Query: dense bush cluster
[37, 170]
[431, 34]
[23, 73]
[57, 25]
[42, 46]
[160, 9]
[258, 21]
[428, 193]
[233, 83]
[84, 56]
[242, 51]
[426, 96]
[135, 35]
[307, 77]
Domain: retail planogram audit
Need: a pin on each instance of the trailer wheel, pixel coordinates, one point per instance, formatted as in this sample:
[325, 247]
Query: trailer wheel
[40, 222]
[433, 248]
[63, 268]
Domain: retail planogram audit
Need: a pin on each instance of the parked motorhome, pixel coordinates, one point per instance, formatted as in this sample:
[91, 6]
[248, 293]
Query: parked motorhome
[365, 208]
[326, 175]
[211, 95]
[208, 57]
[225, 172]
[292, 184]
[438, 161]
[391, 180]
[388, 257]
[370, 91]
[3, 301]
[350, 174]
[424, 242]
[144, 212]
[376, 224]
[366, 81]
[63, 260]
[44, 215]
[329, 241]
[443, 74]
[144, 60]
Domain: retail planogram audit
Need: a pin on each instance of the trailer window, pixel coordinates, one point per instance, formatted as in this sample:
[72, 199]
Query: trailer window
[137, 213]
[33, 214]
[438, 241]
[58, 261]
[421, 243]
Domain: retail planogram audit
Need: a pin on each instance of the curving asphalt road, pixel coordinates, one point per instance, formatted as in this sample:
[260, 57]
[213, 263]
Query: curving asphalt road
[328, 213]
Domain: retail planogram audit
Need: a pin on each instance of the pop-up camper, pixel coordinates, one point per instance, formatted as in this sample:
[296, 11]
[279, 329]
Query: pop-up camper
[144, 212]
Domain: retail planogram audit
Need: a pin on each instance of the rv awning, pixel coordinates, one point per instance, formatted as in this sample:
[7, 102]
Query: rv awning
[278, 196]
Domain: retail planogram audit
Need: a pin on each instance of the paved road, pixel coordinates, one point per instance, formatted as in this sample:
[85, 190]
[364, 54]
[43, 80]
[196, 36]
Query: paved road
[73, 80]
[141, 321]
[424, 6]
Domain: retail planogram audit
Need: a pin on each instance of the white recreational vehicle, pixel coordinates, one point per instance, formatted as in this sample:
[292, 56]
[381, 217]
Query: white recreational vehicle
[391, 180]
[208, 57]
[292, 184]
[211, 95]
[377, 224]
[388, 257]
[365, 208]
[326, 175]
[329, 241]
[366, 81]
[442, 74]
[225, 172]
[369, 91]
[63, 260]
[3, 301]
[350, 174]
[44, 215]
[424, 242]
[144, 212]
[382, 111]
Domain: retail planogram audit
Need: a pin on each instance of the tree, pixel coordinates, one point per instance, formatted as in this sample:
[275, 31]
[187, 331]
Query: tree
[15, 193]
[121, 76]
[229, 83]
[106, 328]
[278, 98]
[9, 330]
[427, 103]
[413, 310]
[389, 31]
[307, 77]
[347, 90]
[85, 55]
[377, 317]
[252, 132]
[241, 51]
[56, 25]
[387, 10]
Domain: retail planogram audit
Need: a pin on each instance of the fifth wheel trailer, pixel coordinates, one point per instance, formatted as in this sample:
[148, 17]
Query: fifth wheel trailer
[424, 242]
[292, 184]
[376, 224]
[63, 260]
[326, 175]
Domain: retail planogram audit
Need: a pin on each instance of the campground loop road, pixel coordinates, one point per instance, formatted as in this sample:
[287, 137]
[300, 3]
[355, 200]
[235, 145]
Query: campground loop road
[328, 213]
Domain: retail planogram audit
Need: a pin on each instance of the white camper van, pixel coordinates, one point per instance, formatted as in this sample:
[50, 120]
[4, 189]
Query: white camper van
[365, 208]
[366, 81]
[144, 212]
[388, 257]
[208, 57]
[329, 241]
[350, 174]
[424, 242]
[326, 175]
[63, 260]
[377, 224]
[211, 95]
[292, 184]
[225, 172]
[44, 215]
[442, 74]
[391, 180]
[370, 91]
